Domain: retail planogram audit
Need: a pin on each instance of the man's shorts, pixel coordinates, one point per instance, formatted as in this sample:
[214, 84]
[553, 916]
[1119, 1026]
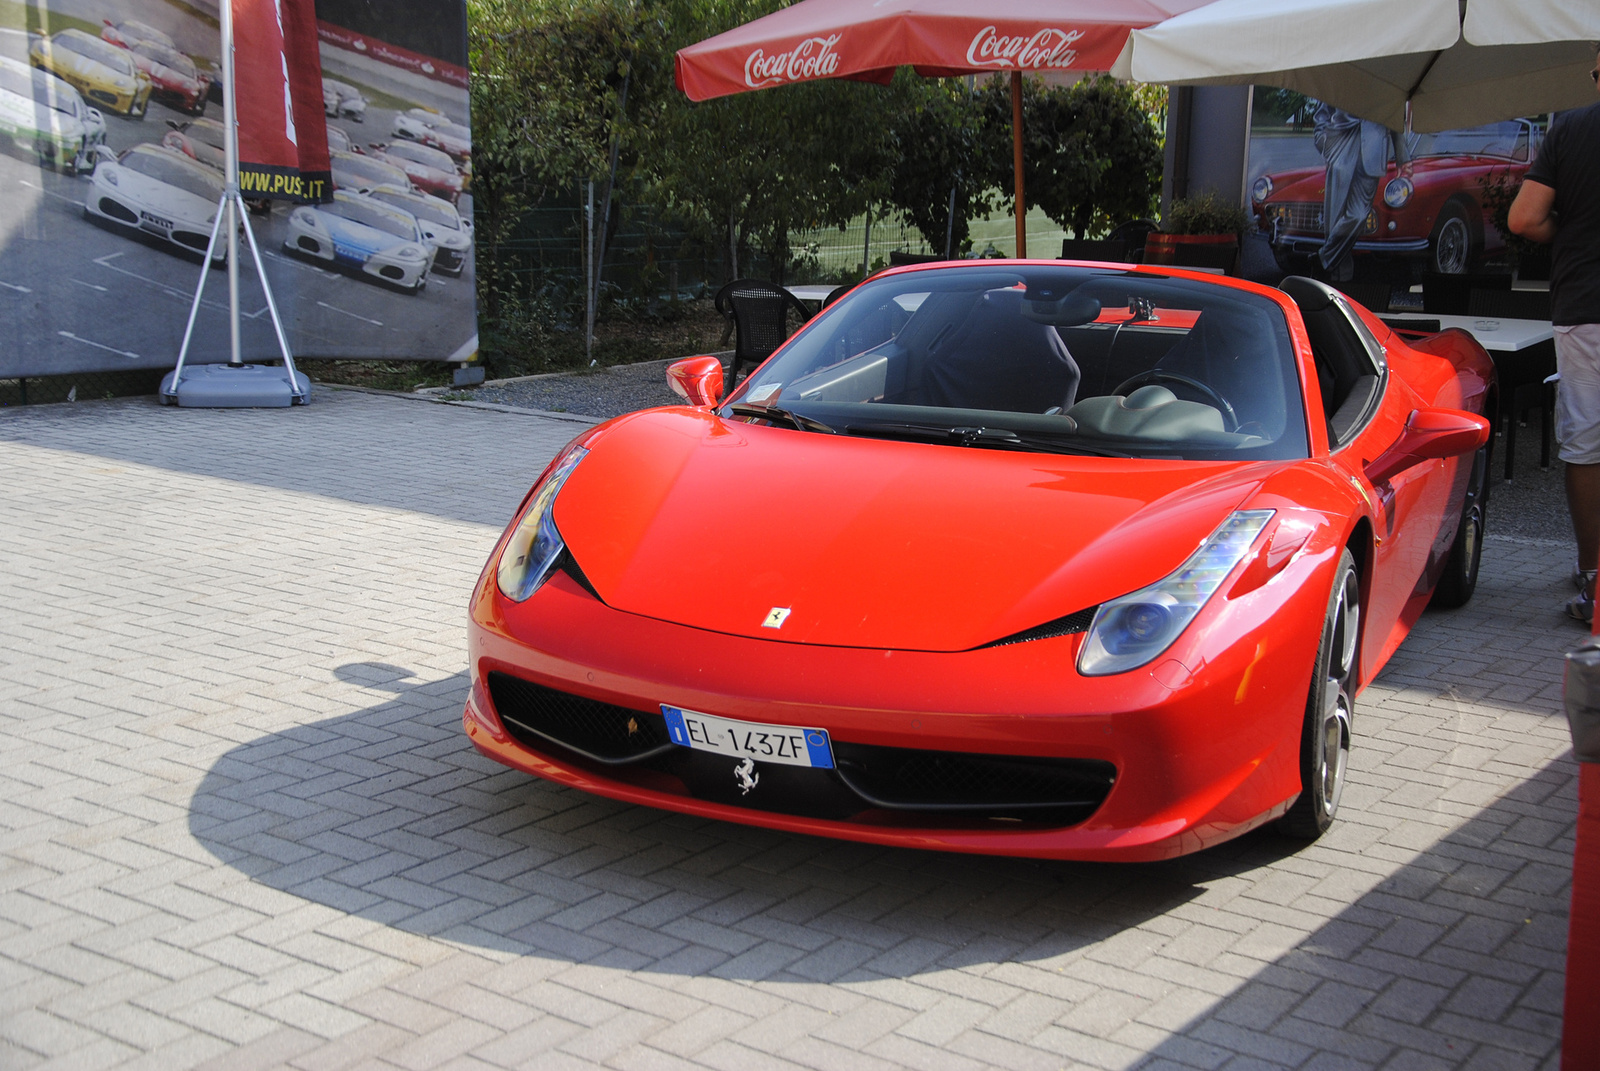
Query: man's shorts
[1578, 397]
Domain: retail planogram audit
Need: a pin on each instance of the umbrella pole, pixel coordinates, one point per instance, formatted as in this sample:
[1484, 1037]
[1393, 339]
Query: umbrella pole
[1016, 161]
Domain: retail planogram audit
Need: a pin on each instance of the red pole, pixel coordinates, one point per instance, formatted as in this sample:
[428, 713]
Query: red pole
[1580, 1029]
[1580, 1023]
[1016, 161]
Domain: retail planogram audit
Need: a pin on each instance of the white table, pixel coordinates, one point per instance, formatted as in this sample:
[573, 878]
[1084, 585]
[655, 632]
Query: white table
[816, 293]
[1495, 334]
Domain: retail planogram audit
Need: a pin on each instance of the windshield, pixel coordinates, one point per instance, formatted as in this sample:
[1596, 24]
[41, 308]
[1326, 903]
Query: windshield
[97, 50]
[207, 132]
[1508, 140]
[44, 88]
[50, 90]
[176, 171]
[138, 31]
[421, 154]
[365, 172]
[1051, 358]
[165, 56]
[370, 215]
[434, 212]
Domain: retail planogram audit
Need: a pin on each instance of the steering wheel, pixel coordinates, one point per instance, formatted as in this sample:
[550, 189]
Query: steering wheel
[1230, 419]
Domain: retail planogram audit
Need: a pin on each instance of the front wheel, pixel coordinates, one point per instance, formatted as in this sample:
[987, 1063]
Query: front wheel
[1325, 737]
[1453, 245]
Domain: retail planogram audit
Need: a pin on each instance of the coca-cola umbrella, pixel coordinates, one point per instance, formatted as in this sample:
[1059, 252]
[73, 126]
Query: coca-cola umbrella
[854, 39]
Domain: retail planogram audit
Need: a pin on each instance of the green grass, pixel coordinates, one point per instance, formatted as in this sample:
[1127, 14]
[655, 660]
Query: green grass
[33, 19]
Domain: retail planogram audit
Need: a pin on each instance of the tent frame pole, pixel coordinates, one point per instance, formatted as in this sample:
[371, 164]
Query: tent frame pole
[232, 213]
[1016, 163]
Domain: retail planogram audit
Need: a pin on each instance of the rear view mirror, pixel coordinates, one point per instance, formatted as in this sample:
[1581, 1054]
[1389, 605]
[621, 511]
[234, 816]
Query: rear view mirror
[698, 380]
[1430, 434]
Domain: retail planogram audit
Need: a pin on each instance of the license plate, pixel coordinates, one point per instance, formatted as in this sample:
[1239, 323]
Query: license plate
[155, 221]
[787, 745]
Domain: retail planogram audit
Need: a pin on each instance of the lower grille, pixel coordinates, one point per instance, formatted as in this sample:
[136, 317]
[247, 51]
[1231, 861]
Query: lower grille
[952, 786]
[913, 779]
[600, 731]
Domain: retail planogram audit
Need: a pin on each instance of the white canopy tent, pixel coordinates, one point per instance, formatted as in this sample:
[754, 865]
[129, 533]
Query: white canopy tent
[1457, 62]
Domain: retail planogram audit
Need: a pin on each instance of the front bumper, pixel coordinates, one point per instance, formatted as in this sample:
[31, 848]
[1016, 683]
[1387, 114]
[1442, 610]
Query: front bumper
[1198, 756]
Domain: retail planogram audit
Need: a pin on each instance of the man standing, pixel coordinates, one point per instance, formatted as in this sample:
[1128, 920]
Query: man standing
[1559, 202]
[1357, 155]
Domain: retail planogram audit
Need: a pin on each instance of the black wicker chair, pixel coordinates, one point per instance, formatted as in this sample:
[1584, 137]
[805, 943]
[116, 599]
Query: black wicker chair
[759, 312]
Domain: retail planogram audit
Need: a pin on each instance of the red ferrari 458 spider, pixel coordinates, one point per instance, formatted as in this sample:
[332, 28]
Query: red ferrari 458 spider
[1037, 558]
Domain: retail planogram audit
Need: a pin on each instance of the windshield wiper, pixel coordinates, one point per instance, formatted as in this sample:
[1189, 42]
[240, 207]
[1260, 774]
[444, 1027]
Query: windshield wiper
[971, 435]
[778, 416]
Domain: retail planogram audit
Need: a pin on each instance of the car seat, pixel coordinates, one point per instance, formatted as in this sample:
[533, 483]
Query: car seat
[999, 359]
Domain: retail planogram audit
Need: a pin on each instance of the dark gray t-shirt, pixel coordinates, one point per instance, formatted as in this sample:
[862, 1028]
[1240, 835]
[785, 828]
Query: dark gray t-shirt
[1569, 163]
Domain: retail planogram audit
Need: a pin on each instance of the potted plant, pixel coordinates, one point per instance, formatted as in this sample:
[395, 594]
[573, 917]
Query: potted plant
[1202, 231]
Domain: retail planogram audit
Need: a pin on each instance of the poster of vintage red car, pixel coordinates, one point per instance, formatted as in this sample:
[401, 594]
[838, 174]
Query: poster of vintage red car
[1433, 202]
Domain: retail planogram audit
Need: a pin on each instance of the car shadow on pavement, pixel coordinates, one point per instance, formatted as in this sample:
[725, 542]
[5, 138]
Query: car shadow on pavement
[1457, 959]
[390, 815]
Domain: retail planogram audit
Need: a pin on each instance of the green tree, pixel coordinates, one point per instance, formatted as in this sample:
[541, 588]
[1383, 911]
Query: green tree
[937, 141]
[1091, 151]
[747, 169]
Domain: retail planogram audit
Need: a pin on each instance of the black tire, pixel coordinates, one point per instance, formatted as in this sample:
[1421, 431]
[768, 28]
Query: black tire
[1460, 577]
[1330, 707]
[1453, 247]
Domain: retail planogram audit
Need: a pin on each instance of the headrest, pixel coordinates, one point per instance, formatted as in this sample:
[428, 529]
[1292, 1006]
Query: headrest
[1058, 307]
[1309, 294]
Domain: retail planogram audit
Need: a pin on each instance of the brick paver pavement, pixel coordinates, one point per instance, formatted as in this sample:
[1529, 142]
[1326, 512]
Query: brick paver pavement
[240, 826]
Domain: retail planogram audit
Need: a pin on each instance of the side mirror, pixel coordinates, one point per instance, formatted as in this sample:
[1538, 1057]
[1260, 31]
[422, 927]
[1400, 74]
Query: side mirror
[1430, 434]
[698, 380]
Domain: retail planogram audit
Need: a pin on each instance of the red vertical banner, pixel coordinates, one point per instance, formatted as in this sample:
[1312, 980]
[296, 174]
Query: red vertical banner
[277, 73]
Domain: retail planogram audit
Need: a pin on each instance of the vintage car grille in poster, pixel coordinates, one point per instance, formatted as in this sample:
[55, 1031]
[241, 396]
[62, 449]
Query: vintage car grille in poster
[111, 165]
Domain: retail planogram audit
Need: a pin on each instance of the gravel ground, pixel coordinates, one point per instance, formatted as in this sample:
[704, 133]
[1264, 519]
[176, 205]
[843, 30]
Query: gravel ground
[1532, 505]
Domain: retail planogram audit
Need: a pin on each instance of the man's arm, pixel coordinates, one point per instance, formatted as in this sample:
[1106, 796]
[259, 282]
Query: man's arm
[1533, 212]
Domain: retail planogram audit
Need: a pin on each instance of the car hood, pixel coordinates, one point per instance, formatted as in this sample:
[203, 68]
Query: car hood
[678, 515]
[358, 237]
[178, 205]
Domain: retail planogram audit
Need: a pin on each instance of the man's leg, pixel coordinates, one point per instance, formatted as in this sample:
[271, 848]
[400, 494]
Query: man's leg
[1578, 430]
[1583, 502]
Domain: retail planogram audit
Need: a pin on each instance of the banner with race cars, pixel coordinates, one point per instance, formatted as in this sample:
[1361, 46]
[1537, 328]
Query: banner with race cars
[111, 164]
[1349, 199]
[283, 139]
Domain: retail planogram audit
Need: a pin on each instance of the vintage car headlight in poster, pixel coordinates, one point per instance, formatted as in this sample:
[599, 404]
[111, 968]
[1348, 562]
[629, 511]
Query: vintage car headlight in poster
[111, 156]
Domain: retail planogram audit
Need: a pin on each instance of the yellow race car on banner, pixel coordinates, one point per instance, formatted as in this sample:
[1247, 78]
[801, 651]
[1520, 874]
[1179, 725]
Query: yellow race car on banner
[102, 72]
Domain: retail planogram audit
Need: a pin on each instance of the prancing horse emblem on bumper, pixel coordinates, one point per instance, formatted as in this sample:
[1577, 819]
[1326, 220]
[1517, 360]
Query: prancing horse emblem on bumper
[776, 617]
[745, 774]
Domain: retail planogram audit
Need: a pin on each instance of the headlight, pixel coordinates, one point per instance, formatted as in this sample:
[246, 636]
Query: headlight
[1131, 631]
[110, 177]
[1398, 192]
[411, 252]
[531, 552]
[1261, 189]
[306, 218]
